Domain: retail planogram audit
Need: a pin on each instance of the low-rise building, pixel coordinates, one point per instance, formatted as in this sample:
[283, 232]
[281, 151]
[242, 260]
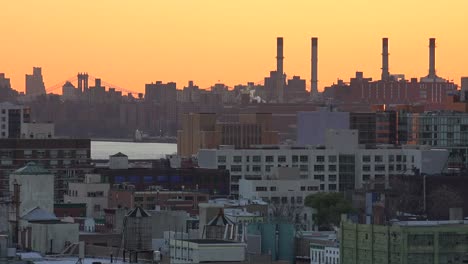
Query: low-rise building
[341, 165]
[206, 250]
[92, 192]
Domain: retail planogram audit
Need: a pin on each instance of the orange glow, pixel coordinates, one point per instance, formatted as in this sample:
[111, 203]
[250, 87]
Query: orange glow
[130, 43]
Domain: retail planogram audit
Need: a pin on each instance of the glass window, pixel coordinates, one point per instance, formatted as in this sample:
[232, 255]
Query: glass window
[379, 167]
[269, 159]
[366, 158]
[391, 158]
[221, 159]
[256, 168]
[295, 158]
[236, 168]
[281, 158]
[331, 158]
[331, 167]
[273, 188]
[237, 159]
[319, 168]
[319, 177]
[332, 187]
[365, 177]
[304, 158]
[261, 189]
[304, 168]
[366, 167]
[378, 158]
[320, 159]
[257, 158]
[332, 178]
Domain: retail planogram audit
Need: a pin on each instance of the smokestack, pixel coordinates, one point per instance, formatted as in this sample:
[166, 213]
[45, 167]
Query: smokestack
[385, 72]
[432, 71]
[314, 81]
[279, 70]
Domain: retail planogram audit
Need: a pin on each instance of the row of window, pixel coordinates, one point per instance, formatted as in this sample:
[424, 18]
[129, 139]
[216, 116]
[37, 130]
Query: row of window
[280, 158]
[391, 158]
[382, 167]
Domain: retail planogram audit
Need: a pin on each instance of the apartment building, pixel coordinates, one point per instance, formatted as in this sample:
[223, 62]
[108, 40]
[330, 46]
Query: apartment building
[12, 116]
[341, 165]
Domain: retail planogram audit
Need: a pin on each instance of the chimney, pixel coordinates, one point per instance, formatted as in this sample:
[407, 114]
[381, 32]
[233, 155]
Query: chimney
[314, 81]
[279, 70]
[385, 72]
[432, 71]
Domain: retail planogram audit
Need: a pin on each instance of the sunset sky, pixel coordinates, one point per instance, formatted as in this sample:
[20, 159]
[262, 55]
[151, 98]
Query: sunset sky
[130, 43]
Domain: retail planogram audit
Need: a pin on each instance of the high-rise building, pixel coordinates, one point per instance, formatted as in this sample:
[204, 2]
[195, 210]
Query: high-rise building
[202, 131]
[11, 118]
[35, 83]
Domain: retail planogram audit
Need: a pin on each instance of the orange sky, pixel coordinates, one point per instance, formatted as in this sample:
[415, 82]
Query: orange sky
[130, 43]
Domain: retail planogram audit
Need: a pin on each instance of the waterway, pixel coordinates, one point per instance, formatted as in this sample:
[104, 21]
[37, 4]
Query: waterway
[103, 149]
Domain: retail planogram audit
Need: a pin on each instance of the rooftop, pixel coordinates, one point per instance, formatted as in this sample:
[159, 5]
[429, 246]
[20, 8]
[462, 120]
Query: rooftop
[209, 241]
[31, 169]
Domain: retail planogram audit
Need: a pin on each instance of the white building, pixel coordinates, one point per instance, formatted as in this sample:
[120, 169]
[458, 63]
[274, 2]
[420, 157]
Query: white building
[11, 118]
[312, 126]
[341, 165]
[35, 186]
[91, 192]
[324, 251]
[37, 130]
[206, 250]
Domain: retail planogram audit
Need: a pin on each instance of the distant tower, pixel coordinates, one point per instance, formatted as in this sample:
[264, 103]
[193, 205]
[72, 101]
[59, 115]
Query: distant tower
[83, 82]
[35, 83]
[279, 70]
[385, 70]
[432, 70]
[464, 89]
[314, 69]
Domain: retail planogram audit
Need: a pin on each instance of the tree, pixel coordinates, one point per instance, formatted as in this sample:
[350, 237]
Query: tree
[329, 207]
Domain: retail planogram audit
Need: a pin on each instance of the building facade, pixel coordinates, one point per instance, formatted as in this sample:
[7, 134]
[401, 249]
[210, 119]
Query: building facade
[339, 166]
[438, 242]
[12, 117]
[67, 159]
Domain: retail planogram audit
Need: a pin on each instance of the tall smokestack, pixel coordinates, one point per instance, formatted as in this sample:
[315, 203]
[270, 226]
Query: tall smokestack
[432, 71]
[385, 72]
[314, 81]
[279, 70]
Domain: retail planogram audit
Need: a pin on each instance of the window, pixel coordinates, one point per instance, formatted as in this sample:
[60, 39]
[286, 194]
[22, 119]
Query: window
[331, 167]
[332, 187]
[268, 168]
[366, 158]
[256, 168]
[304, 158]
[273, 188]
[365, 177]
[237, 159]
[281, 158]
[221, 167]
[379, 167]
[312, 188]
[295, 158]
[319, 177]
[236, 168]
[150, 198]
[331, 158]
[365, 167]
[319, 168]
[320, 159]
[398, 158]
[378, 158]
[303, 188]
[256, 158]
[391, 158]
[391, 167]
[322, 187]
[247, 158]
[379, 177]
[269, 159]
[304, 168]
[138, 199]
[299, 199]
[332, 178]
[221, 159]
[261, 189]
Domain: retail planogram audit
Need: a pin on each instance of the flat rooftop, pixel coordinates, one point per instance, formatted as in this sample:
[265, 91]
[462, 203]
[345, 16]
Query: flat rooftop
[210, 241]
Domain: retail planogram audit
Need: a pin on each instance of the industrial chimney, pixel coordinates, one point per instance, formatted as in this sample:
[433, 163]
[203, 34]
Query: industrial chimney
[385, 71]
[432, 71]
[314, 80]
[279, 70]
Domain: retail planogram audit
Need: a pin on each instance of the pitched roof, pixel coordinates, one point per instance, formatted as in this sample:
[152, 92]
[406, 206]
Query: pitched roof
[120, 154]
[39, 214]
[138, 212]
[31, 168]
[220, 220]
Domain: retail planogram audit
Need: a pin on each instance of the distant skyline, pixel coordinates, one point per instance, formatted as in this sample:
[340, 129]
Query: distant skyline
[130, 43]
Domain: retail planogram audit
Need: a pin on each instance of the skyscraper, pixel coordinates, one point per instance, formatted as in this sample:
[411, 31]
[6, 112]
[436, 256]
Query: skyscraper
[35, 83]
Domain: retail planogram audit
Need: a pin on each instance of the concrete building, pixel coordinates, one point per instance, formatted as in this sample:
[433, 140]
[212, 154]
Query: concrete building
[339, 166]
[206, 250]
[68, 159]
[92, 192]
[37, 130]
[312, 126]
[440, 242]
[324, 251]
[35, 83]
[12, 117]
[203, 131]
[34, 186]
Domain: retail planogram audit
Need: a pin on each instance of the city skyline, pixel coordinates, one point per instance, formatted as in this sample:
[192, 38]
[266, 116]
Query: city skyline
[131, 44]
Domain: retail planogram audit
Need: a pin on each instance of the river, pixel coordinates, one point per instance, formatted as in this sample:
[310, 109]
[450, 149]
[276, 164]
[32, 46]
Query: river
[103, 149]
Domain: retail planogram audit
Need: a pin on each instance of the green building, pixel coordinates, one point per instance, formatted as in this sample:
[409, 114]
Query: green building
[404, 242]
